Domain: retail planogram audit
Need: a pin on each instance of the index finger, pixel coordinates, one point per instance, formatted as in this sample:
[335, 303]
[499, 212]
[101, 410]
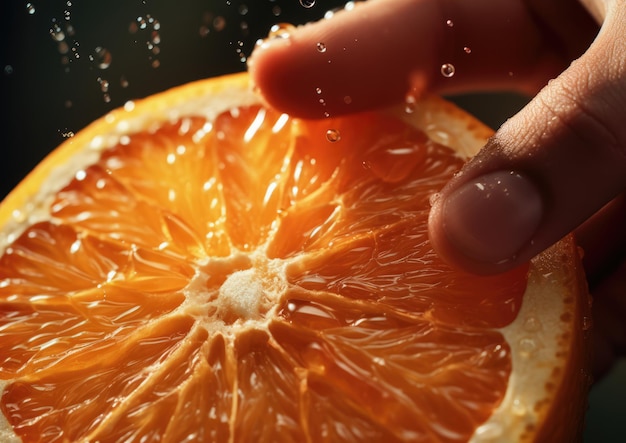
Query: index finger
[381, 50]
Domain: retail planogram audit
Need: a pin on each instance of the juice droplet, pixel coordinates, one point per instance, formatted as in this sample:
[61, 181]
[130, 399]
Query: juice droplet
[409, 104]
[56, 33]
[103, 57]
[243, 9]
[447, 70]
[104, 84]
[519, 408]
[30, 8]
[467, 49]
[219, 23]
[527, 346]
[281, 30]
[347, 99]
[333, 135]
[449, 23]
[532, 324]
[66, 133]
[321, 47]
[307, 3]
[318, 91]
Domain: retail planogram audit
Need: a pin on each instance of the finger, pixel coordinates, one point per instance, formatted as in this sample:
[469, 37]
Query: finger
[546, 170]
[376, 53]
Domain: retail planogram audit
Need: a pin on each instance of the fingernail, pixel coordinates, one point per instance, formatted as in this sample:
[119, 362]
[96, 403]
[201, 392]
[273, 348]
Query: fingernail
[492, 217]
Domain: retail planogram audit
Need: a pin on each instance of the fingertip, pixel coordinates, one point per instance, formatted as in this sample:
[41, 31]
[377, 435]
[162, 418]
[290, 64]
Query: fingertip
[486, 224]
[338, 66]
[272, 78]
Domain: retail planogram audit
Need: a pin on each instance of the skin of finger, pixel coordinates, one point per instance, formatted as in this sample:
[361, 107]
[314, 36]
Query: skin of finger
[383, 49]
[570, 140]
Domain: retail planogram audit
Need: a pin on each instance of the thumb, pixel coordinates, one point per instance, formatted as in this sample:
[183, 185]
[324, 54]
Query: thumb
[546, 170]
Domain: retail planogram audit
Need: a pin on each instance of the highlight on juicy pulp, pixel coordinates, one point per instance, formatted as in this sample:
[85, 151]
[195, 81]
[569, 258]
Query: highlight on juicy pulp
[246, 277]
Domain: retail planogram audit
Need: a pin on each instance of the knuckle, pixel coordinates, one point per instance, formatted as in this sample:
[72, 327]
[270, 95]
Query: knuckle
[592, 114]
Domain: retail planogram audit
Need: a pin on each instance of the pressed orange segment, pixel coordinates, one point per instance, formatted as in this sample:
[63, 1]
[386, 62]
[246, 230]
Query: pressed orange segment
[239, 277]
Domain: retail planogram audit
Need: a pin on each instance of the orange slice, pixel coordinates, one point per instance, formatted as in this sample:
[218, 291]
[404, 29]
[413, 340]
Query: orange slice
[197, 267]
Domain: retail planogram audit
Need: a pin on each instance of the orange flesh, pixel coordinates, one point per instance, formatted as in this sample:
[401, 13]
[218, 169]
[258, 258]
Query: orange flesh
[107, 331]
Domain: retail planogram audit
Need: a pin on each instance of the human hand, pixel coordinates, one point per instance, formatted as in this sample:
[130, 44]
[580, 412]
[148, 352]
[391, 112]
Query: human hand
[558, 165]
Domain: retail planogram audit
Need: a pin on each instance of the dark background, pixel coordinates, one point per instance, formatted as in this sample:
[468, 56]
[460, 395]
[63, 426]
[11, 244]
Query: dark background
[51, 87]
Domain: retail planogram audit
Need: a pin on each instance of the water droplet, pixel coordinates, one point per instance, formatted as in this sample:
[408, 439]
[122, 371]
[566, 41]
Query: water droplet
[30, 8]
[321, 47]
[204, 31]
[318, 91]
[281, 30]
[243, 9]
[104, 84]
[307, 3]
[409, 104]
[447, 70]
[449, 23]
[333, 135]
[532, 324]
[219, 23]
[519, 408]
[8, 69]
[467, 49]
[56, 33]
[66, 133]
[276, 11]
[347, 99]
[527, 346]
[103, 57]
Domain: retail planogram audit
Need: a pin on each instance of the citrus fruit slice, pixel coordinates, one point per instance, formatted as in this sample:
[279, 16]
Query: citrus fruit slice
[198, 267]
